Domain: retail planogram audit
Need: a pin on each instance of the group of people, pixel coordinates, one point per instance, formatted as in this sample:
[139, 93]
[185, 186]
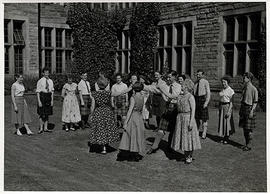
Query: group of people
[179, 106]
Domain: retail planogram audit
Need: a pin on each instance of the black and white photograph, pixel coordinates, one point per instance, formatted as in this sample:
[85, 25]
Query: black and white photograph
[133, 96]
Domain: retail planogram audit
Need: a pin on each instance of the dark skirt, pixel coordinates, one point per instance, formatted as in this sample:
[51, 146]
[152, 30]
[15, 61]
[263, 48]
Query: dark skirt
[46, 108]
[168, 119]
[158, 105]
[120, 105]
[85, 110]
[200, 112]
[248, 124]
[22, 116]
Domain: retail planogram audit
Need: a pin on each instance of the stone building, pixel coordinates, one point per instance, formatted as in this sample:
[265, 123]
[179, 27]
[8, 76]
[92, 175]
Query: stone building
[218, 37]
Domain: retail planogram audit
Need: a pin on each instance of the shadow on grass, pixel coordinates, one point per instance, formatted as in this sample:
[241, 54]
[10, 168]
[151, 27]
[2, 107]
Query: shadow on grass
[217, 139]
[170, 153]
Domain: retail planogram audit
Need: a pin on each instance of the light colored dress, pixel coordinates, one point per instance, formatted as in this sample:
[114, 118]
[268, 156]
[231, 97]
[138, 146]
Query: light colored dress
[71, 109]
[133, 137]
[183, 139]
[226, 125]
[145, 111]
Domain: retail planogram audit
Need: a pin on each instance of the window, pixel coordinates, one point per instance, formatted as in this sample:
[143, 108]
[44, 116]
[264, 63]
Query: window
[59, 38]
[68, 38]
[241, 43]
[59, 61]
[104, 6]
[6, 31]
[68, 60]
[18, 59]
[123, 52]
[7, 60]
[18, 33]
[177, 50]
[48, 37]
[48, 59]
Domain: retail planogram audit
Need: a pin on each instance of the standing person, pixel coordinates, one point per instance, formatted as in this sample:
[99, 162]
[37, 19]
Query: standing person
[102, 74]
[158, 101]
[186, 136]
[145, 111]
[132, 143]
[45, 90]
[189, 83]
[247, 113]
[71, 110]
[103, 125]
[133, 79]
[120, 103]
[181, 79]
[85, 100]
[226, 124]
[20, 115]
[202, 97]
[168, 119]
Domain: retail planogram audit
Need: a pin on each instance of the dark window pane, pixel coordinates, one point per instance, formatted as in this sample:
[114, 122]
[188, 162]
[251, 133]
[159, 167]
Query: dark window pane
[68, 38]
[253, 56]
[6, 31]
[241, 59]
[48, 37]
[119, 59]
[18, 32]
[127, 5]
[58, 61]
[169, 35]
[18, 59]
[255, 26]
[119, 37]
[242, 28]
[59, 38]
[105, 6]
[126, 40]
[68, 60]
[188, 33]
[228, 54]
[230, 23]
[179, 29]
[161, 57]
[169, 58]
[126, 61]
[188, 60]
[161, 36]
[179, 60]
[48, 59]
[96, 5]
[6, 60]
[120, 5]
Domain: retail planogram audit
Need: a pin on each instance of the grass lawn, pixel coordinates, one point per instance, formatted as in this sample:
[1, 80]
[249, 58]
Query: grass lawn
[60, 161]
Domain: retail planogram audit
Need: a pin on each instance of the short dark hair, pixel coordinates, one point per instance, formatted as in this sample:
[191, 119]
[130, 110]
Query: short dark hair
[45, 69]
[182, 76]
[200, 70]
[249, 75]
[227, 78]
[137, 86]
[134, 74]
[118, 74]
[17, 75]
[173, 73]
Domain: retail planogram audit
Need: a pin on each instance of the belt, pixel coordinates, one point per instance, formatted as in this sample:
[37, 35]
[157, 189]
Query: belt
[224, 103]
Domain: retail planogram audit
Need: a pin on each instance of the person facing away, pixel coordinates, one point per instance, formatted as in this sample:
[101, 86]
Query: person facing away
[20, 115]
[132, 142]
[247, 114]
[202, 97]
[71, 110]
[45, 91]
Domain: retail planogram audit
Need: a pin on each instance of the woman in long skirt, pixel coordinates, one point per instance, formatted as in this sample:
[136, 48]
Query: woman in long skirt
[132, 143]
[226, 123]
[71, 110]
[20, 115]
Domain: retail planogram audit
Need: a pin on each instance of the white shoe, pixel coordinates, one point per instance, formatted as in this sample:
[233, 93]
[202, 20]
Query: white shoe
[67, 129]
[19, 133]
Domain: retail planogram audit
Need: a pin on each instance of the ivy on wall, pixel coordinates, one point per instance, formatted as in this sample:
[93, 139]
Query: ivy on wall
[94, 33]
[144, 37]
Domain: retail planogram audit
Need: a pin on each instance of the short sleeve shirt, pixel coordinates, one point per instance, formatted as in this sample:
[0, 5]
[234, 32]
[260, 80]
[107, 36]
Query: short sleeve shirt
[41, 85]
[82, 86]
[18, 89]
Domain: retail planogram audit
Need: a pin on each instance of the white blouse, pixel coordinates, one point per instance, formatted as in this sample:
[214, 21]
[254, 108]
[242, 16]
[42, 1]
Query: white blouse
[226, 94]
[41, 85]
[119, 87]
[18, 89]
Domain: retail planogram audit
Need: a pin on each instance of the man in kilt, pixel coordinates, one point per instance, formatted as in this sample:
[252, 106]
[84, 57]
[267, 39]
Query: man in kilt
[168, 118]
[247, 116]
[85, 100]
[202, 97]
[120, 103]
[44, 92]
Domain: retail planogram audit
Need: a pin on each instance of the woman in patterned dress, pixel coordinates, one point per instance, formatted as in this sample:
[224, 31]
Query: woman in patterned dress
[103, 128]
[71, 110]
[132, 143]
[20, 115]
[186, 135]
[226, 124]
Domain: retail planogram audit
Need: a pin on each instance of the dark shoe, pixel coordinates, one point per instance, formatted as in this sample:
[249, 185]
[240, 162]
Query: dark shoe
[246, 148]
[152, 151]
[40, 131]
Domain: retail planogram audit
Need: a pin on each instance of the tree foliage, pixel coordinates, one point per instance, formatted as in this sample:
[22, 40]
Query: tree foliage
[94, 33]
[144, 37]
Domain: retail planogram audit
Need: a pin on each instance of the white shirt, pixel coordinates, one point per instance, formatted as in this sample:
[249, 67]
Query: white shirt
[18, 89]
[119, 87]
[152, 88]
[226, 94]
[83, 87]
[41, 85]
[106, 89]
[176, 91]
